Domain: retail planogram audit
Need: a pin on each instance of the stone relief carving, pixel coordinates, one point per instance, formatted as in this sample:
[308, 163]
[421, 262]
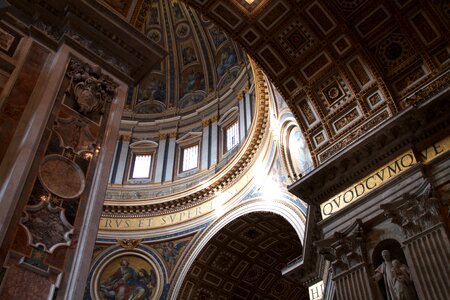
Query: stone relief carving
[345, 249]
[61, 176]
[90, 88]
[48, 30]
[415, 213]
[47, 226]
[75, 133]
[129, 244]
[97, 49]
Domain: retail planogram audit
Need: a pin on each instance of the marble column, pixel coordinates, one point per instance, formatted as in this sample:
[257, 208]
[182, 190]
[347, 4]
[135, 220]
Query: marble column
[34, 110]
[205, 145]
[170, 160]
[426, 244]
[160, 157]
[428, 255]
[345, 251]
[353, 284]
[122, 160]
[214, 141]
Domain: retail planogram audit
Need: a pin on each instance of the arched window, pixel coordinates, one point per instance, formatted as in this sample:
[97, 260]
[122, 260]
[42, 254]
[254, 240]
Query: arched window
[295, 150]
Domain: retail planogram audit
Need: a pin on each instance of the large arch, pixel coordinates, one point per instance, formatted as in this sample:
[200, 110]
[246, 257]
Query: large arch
[280, 207]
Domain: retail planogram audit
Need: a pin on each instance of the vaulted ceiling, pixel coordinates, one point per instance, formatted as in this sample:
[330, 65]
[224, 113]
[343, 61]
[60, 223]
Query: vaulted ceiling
[244, 261]
[343, 66]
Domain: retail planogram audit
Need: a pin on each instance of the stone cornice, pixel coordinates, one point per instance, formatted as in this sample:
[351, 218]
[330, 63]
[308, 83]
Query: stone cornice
[92, 30]
[410, 129]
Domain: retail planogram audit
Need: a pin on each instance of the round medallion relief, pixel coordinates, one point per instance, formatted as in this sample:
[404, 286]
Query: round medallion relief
[182, 30]
[61, 176]
[154, 35]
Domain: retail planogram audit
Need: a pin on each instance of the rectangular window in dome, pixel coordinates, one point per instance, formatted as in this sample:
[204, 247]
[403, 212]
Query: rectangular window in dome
[190, 158]
[232, 136]
[141, 166]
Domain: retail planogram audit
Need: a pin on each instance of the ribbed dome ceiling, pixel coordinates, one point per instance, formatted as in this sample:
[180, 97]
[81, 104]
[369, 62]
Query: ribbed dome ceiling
[201, 60]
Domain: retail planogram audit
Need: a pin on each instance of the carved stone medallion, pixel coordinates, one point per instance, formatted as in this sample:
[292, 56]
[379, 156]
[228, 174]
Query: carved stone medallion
[47, 226]
[61, 176]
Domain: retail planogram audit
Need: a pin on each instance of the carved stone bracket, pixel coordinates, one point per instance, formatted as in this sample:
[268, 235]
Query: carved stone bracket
[415, 213]
[345, 249]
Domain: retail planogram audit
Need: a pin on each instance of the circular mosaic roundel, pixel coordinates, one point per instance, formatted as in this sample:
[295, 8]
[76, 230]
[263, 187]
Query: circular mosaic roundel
[127, 275]
[154, 35]
[182, 30]
[61, 176]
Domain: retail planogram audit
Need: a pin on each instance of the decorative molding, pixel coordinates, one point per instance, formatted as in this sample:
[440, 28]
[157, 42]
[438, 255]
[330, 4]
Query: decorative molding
[90, 88]
[47, 227]
[415, 213]
[345, 249]
[123, 50]
[129, 244]
[188, 198]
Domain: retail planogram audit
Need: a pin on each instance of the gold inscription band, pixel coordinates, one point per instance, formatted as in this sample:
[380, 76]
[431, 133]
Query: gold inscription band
[381, 176]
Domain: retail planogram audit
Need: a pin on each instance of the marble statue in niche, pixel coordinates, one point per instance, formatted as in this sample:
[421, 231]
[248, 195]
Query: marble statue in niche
[127, 278]
[384, 271]
[397, 281]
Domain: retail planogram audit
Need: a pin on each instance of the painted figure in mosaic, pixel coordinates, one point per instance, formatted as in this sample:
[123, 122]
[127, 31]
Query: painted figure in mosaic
[403, 285]
[385, 271]
[121, 283]
[170, 252]
[144, 285]
[227, 59]
[128, 284]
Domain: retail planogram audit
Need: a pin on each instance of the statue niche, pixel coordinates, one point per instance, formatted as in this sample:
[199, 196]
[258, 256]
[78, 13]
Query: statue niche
[391, 272]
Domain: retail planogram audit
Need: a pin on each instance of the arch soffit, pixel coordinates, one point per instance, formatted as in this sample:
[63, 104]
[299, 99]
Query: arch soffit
[281, 208]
